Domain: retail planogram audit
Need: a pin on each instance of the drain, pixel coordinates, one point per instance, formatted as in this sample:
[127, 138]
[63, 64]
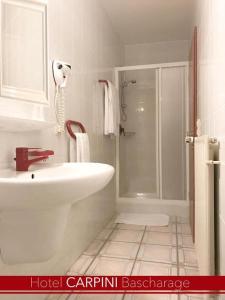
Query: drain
[32, 176]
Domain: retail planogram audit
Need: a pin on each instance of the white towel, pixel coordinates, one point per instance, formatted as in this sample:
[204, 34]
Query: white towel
[79, 148]
[111, 120]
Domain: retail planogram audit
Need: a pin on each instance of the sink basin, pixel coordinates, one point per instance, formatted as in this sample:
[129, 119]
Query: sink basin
[55, 184]
[35, 206]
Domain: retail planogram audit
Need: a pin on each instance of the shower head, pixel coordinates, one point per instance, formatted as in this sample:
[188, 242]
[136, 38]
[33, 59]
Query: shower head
[127, 83]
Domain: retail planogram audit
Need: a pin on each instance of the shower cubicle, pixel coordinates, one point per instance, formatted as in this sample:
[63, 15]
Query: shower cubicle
[151, 152]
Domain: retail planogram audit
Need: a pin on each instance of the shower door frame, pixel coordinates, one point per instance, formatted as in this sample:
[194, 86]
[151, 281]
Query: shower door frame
[158, 69]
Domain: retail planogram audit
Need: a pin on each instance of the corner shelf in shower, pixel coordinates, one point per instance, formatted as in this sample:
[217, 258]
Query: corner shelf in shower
[129, 133]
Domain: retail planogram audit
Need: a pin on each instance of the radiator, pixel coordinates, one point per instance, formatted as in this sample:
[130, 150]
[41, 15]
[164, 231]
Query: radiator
[205, 149]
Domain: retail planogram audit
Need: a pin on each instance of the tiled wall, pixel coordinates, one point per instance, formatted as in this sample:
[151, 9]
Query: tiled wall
[154, 53]
[210, 20]
[81, 34]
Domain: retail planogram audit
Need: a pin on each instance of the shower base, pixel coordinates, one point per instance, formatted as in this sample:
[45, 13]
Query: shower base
[155, 206]
[139, 195]
[143, 219]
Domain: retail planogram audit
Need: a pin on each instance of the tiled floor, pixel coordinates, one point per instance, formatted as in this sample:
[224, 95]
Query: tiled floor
[122, 249]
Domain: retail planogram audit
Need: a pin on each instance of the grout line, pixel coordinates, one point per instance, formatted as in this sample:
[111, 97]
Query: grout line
[123, 242]
[140, 243]
[97, 254]
[126, 242]
[177, 250]
[104, 242]
[135, 259]
[144, 260]
[162, 245]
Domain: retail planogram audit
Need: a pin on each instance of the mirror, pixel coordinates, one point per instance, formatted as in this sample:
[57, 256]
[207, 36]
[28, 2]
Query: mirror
[24, 50]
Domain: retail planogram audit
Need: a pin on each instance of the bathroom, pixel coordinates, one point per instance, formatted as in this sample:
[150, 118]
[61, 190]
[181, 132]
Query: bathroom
[134, 44]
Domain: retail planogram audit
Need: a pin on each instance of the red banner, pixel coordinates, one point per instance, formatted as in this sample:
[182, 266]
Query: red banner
[112, 284]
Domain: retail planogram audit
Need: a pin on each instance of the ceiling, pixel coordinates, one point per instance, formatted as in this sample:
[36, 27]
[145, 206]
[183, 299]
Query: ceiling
[146, 21]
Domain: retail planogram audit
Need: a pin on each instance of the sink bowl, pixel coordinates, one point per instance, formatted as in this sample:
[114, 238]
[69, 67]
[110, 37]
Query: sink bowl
[35, 206]
[52, 185]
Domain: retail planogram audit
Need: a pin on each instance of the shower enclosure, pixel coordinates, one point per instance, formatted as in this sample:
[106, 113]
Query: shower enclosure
[151, 156]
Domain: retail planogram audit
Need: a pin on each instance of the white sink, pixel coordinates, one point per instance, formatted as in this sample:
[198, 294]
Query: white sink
[35, 206]
[53, 185]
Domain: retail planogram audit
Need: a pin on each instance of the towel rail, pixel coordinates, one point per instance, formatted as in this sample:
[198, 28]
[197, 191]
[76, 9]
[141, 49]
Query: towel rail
[103, 81]
[69, 123]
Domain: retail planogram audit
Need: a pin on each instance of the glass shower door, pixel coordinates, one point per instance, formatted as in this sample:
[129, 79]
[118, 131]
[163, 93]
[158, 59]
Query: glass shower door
[173, 129]
[139, 161]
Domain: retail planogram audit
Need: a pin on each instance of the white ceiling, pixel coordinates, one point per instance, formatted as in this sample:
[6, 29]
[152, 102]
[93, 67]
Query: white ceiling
[145, 21]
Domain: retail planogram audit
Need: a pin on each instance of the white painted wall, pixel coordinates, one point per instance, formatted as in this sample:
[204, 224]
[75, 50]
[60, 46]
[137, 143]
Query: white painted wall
[153, 53]
[210, 20]
[81, 34]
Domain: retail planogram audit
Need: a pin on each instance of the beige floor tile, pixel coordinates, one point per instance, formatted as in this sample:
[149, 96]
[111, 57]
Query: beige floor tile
[130, 227]
[151, 297]
[187, 257]
[159, 238]
[173, 219]
[81, 265]
[56, 297]
[134, 236]
[120, 250]
[156, 253]
[94, 247]
[170, 228]
[110, 266]
[111, 224]
[144, 268]
[179, 229]
[183, 220]
[192, 297]
[187, 271]
[104, 234]
[96, 297]
[185, 229]
[185, 241]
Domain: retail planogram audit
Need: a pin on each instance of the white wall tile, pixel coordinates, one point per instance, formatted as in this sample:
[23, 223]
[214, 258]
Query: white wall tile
[210, 21]
[81, 34]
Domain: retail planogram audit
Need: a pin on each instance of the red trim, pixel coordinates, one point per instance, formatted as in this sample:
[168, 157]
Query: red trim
[69, 123]
[118, 284]
[111, 293]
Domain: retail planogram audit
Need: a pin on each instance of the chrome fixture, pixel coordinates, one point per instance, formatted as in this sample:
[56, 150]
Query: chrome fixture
[123, 103]
[127, 83]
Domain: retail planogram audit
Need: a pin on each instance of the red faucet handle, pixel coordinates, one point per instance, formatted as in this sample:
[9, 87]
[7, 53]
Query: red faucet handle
[41, 153]
[24, 149]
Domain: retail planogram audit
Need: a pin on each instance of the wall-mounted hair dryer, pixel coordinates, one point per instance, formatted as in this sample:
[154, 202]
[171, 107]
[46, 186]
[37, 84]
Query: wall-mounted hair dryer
[61, 72]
